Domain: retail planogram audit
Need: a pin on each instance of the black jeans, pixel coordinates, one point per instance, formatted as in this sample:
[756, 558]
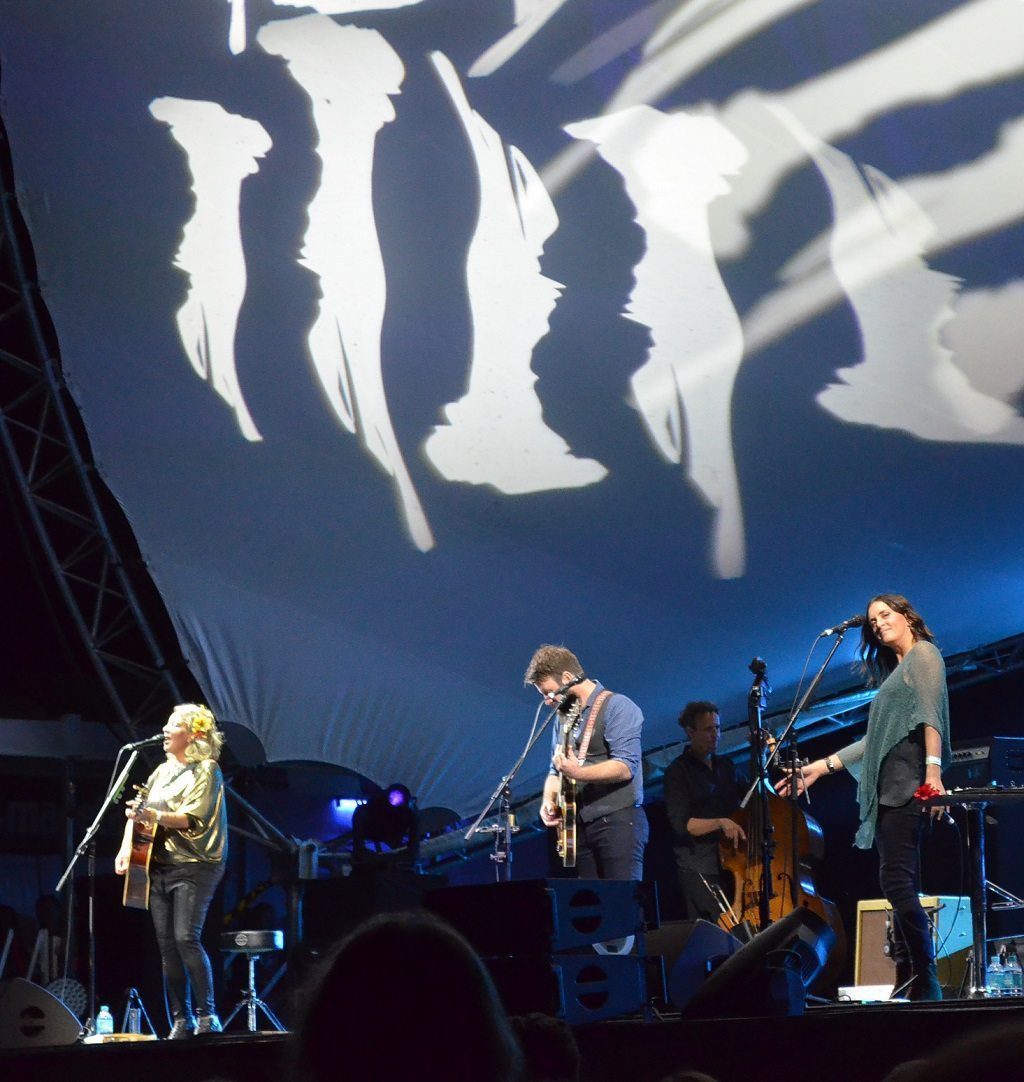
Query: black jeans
[898, 840]
[612, 846]
[179, 897]
[698, 902]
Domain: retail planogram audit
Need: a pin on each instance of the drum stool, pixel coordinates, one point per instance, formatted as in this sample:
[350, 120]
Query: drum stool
[252, 945]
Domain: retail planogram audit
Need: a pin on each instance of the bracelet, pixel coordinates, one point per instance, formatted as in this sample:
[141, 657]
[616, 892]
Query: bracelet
[829, 765]
[932, 760]
[156, 818]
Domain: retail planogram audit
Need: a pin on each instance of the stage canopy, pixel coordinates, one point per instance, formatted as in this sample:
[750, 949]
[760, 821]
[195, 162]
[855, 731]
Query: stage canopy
[413, 334]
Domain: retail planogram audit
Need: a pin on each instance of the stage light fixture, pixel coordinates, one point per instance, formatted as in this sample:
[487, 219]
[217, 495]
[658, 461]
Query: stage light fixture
[342, 810]
[398, 796]
[386, 821]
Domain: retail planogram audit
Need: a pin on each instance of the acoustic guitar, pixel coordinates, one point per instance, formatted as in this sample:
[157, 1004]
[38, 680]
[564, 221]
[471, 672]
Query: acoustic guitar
[136, 878]
[566, 802]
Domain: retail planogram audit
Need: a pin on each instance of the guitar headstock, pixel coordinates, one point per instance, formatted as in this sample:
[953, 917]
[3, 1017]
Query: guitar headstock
[570, 715]
[141, 796]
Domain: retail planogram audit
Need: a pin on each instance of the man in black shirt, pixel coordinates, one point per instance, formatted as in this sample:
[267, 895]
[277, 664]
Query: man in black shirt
[701, 793]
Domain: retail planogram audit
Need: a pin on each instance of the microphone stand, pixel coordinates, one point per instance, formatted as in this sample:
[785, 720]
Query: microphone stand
[506, 824]
[790, 732]
[756, 699]
[88, 844]
[799, 708]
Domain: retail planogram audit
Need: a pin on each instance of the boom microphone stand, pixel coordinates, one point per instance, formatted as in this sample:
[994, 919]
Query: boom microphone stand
[790, 732]
[505, 827]
[88, 845]
[799, 708]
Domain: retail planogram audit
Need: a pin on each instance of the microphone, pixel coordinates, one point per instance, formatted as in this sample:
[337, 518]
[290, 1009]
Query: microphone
[565, 687]
[854, 621]
[158, 739]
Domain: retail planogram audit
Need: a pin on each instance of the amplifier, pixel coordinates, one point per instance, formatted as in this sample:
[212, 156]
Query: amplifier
[988, 760]
[951, 925]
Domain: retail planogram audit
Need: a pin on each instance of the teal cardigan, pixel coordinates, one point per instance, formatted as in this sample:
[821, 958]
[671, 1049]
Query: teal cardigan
[913, 694]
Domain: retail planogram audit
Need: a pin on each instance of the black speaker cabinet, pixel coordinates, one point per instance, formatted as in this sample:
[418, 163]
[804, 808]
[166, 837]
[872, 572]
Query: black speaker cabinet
[580, 988]
[542, 916]
[32, 1018]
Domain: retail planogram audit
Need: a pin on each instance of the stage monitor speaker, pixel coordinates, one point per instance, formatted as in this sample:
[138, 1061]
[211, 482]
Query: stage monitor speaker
[332, 908]
[951, 928]
[769, 975]
[692, 950]
[541, 916]
[580, 988]
[32, 1018]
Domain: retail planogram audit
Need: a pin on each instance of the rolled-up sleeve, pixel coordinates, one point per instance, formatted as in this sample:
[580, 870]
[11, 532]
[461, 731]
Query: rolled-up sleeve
[203, 801]
[623, 725]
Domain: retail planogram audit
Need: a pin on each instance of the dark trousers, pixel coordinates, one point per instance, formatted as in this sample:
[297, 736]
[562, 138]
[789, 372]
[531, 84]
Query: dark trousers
[179, 897]
[612, 846]
[898, 840]
[698, 902]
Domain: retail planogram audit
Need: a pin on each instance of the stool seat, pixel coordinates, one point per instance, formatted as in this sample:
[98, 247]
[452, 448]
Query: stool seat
[255, 942]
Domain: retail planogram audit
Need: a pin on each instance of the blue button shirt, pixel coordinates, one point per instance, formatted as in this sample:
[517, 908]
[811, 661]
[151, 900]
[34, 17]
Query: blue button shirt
[623, 725]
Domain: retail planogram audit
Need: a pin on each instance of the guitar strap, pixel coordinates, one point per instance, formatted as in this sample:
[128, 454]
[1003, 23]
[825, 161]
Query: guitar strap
[588, 732]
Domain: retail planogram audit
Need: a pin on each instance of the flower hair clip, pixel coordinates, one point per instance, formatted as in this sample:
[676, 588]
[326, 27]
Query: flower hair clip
[201, 721]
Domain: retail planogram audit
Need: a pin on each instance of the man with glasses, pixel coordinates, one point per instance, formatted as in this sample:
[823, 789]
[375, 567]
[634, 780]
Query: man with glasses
[604, 759]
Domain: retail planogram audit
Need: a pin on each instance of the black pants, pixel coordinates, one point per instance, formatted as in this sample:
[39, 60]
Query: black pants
[179, 897]
[612, 846]
[898, 840]
[698, 901]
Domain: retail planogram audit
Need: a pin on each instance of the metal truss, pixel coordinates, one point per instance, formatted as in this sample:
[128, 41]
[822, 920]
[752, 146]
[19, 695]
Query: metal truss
[88, 544]
[77, 523]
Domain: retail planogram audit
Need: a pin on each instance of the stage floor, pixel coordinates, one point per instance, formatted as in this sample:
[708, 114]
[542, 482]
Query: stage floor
[873, 1038]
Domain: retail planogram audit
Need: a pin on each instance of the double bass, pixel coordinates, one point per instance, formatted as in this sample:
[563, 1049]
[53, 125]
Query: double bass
[782, 840]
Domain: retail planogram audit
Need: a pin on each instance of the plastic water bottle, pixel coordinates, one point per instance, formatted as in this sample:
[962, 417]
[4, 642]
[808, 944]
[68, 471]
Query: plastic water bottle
[104, 1021]
[1014, 974]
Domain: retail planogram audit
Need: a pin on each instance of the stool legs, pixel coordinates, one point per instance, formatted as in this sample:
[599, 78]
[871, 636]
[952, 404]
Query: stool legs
[252, 1003]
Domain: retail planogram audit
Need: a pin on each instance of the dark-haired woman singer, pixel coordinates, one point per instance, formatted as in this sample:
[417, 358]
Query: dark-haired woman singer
[905, 746]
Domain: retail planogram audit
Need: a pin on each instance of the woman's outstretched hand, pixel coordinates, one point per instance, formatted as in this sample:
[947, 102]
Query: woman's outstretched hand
[807, 776]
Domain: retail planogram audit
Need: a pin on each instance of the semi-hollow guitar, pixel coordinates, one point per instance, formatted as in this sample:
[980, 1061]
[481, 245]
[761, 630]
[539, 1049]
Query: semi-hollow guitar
[566, 803]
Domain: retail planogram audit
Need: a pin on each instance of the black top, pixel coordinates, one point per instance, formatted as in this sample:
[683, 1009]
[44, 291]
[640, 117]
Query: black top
[902, 770]
[694, 790]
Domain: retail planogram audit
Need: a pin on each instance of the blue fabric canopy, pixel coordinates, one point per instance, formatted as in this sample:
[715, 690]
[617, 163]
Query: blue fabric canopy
[412, 335]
